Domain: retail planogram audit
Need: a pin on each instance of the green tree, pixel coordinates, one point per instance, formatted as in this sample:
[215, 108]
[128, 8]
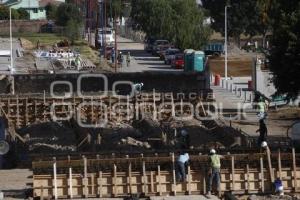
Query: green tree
[23, 14]
[51, 11]
[285, 51]
[4, 13]
[15, 14]
[73, 30]
[180, 21]
[243, 17]
[66, 12]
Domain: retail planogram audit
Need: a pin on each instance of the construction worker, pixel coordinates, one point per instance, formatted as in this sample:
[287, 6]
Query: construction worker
[138, 88]
[262, 108]
[215, 168]
[78, 62]
[180, 167]
[278, 187]
[128, 58]
[113, 55]
[263, 132]
[185, 139]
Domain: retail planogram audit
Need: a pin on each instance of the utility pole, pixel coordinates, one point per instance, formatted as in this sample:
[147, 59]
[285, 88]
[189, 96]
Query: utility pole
[12, 81]
[226, 45]
[105, 19]
[116, 45]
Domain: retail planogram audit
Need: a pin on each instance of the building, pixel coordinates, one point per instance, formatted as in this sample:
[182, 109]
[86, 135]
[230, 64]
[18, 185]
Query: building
[36, 12]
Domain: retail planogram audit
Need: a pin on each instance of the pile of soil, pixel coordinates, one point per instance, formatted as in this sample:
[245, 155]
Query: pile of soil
[142, 135]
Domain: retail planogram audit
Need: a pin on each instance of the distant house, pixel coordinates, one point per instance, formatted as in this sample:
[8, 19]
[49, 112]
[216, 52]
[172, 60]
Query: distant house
[36, 12]
[44, 3]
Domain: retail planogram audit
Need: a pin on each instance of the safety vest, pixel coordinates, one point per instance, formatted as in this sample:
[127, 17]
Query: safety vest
[215, 161]
[261, 107]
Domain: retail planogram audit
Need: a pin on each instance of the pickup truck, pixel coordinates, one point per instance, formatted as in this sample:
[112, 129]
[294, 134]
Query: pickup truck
[108, 36]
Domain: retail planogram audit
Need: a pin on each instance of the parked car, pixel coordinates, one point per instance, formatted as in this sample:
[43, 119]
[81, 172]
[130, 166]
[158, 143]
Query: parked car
[162, 52]
[158, 45]
[178, 61]
[170, 55]
[108, 36]
[148, 44]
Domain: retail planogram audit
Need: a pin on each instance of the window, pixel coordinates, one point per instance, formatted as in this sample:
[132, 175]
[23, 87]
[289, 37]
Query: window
[35, 10]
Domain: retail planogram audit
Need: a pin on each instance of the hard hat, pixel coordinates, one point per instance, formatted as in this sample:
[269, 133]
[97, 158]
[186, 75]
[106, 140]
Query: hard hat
[212, 151]
[142, 84]
[264, 144]
[184, 132]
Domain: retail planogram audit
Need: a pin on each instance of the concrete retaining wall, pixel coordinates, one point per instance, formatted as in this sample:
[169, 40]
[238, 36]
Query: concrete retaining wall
[161, 82]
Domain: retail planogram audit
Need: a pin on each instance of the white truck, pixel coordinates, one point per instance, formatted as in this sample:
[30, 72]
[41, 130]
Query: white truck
[106, 35]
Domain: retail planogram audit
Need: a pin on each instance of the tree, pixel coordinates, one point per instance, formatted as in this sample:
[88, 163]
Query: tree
[73, 32]
[285, 50]
[66, 12]
[244, 17]
[180, 21]
[51, 11]
[23, 14]
[4, 13]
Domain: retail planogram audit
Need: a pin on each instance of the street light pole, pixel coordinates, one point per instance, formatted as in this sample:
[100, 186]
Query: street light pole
[11, 55]
[226, 45]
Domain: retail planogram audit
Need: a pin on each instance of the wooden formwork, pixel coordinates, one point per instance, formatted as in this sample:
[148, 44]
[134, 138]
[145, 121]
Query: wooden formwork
[152, 176]
[25, 110]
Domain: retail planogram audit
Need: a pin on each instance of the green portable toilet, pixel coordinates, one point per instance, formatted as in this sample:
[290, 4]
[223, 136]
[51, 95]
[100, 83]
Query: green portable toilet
[198, 61]
[188, 60]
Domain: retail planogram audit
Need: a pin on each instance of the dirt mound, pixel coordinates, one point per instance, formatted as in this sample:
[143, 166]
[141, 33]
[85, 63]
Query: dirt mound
[26, 44]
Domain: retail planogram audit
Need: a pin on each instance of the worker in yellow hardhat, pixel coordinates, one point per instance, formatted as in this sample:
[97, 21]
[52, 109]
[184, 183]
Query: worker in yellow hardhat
[215, 169]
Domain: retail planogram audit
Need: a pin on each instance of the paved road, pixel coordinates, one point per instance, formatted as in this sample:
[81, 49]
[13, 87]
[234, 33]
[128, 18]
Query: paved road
[4, 61]
[141, 61]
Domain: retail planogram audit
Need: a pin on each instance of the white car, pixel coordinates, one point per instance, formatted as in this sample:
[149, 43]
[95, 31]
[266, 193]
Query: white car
[108, 34]
[170, 55]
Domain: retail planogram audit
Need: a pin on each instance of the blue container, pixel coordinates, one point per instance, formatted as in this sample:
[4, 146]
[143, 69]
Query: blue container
[198, 61]
[188, 60]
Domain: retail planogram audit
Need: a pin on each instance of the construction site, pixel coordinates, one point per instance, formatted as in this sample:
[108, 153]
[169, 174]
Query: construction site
[115, 115]
[91, 136]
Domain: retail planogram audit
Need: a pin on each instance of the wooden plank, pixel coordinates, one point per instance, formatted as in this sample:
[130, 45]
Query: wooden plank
[55, 179]
[279, 165]
[129, 179]
[115, 186]
[174, 175]
[271, 171]
[100, 185]
[93, 184]
[262, 178]
[85, 178]
[159, 181]
[247, 181]
[232, 174]
[70, 183]
[294, 170]
[152, 181]
[189, 176]
[145, 187]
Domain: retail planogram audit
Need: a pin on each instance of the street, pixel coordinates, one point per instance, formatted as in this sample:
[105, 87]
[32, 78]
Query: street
[141, 61]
